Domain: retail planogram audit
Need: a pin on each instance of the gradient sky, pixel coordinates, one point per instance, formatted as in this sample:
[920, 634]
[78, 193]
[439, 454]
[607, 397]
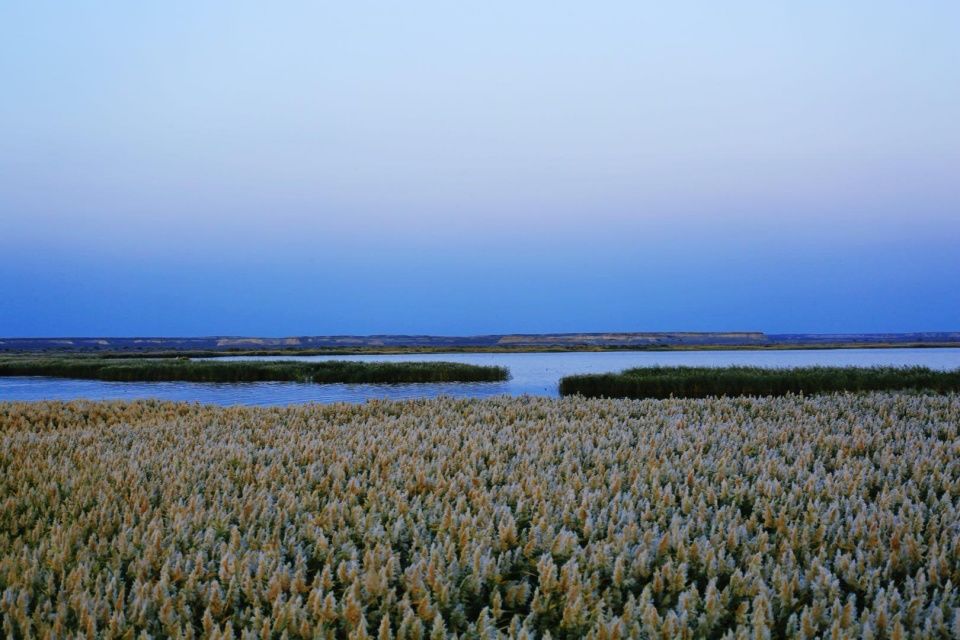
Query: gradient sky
[292, 168]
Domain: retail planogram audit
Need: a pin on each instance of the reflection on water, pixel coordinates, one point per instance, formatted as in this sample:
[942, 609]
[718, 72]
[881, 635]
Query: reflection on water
[531, 373]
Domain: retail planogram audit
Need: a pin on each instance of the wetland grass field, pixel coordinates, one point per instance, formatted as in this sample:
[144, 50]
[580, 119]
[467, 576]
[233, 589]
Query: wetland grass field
[186, 370]
[703, 382]
[834, 516]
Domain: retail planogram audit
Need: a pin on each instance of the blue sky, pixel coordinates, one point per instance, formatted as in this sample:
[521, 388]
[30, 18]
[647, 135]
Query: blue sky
[196, 168]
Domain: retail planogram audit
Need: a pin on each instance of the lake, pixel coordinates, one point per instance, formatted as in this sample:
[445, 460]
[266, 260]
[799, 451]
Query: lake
[531, 373]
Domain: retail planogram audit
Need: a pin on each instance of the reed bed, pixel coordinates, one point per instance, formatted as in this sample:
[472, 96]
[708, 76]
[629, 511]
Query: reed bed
[800, 517]
[183, 369]
[704, 382]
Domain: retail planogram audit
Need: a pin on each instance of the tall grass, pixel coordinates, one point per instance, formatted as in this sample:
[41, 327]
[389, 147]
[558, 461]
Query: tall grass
[181, 369]
[702, 382]
[832, 516]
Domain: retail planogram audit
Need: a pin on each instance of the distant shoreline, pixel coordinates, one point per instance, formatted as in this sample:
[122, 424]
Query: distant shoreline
[572, 349]
[225, 346]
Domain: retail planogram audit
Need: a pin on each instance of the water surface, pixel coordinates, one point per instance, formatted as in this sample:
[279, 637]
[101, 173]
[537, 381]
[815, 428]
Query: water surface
[531, 373]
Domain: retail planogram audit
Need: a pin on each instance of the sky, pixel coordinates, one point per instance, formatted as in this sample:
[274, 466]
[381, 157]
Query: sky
[455, 168]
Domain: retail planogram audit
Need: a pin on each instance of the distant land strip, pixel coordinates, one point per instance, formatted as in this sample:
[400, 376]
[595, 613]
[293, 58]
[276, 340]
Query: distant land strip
[344, 344]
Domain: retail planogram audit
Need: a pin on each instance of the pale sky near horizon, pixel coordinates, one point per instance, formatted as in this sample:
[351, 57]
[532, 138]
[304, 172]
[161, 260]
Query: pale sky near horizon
[297, 168]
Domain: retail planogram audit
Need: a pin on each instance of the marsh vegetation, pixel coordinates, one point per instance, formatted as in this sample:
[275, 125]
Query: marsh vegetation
[800, 517]
[702, 382]
[183, 369]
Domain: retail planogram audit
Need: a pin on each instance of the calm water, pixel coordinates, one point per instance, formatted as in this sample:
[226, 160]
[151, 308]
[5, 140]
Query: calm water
[531, 373]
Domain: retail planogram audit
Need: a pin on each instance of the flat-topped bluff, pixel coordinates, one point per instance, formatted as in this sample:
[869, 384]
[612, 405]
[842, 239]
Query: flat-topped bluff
[494, 342]
[639, 339]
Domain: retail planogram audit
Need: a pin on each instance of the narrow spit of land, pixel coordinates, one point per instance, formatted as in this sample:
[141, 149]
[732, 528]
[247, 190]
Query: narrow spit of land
[182, 369]
[703, 382]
